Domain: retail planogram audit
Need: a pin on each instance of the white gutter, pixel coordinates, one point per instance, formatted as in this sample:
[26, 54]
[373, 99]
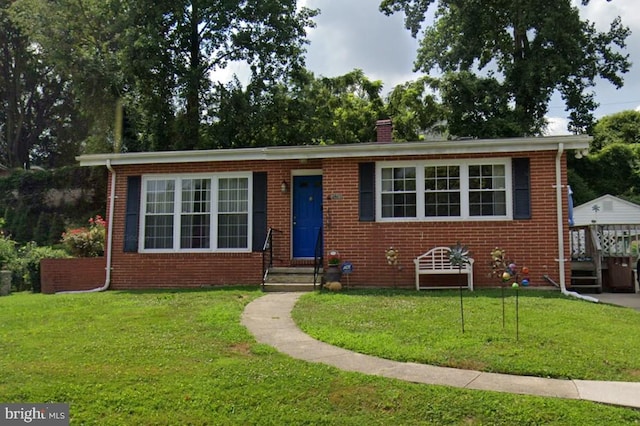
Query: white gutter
[560, 218]
[356, 150]
[109, 242]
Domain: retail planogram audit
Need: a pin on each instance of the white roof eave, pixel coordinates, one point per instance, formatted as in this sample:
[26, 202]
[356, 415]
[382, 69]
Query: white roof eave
[471, 146]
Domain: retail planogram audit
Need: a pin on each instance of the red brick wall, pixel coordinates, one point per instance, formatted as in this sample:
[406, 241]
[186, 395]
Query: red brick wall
[529, 242]
[82, 273]
[137, 270]
[384, 131]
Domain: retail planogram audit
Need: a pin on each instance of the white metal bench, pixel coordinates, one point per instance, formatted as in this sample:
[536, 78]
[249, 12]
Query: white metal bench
[437, 262]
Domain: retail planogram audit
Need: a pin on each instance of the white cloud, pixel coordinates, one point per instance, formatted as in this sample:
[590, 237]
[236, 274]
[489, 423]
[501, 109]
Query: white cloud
[557, 126]
[354, 34]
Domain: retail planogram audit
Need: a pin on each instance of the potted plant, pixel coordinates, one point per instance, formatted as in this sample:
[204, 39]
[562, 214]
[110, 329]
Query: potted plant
[333, 274]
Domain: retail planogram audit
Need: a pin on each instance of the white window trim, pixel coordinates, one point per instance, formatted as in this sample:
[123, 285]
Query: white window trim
[464, 189]
[213, 236]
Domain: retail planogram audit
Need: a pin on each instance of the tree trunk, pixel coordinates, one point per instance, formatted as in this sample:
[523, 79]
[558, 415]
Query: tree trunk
[191, 137]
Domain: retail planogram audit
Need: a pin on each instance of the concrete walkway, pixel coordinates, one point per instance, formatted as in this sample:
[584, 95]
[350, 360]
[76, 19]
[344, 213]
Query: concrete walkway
[269, 319]
[629, 300]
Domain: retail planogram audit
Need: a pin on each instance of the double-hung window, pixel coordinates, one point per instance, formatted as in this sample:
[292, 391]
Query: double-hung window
[439, 190]
[233, 212]
[442, 189]
[399, 194]
[487, 190]
[196, 213]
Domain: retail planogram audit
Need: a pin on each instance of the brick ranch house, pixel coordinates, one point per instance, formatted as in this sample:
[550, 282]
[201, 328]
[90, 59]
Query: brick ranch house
[199, 218]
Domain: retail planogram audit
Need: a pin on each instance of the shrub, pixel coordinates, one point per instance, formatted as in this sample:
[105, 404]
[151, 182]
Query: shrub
[27, 267]
[86, 241]
[24, 262]
[7, 252]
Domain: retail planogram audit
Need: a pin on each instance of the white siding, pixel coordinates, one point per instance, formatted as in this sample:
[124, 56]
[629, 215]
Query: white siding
[610, 210]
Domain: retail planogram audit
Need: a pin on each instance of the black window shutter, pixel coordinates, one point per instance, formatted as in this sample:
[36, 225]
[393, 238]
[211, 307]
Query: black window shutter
[367, 178]
[259, 210]
[521, 188]
[132, 214]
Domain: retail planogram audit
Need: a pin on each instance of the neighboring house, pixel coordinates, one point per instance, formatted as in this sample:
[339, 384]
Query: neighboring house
[199, 218]
[604, 242]
[607, 210]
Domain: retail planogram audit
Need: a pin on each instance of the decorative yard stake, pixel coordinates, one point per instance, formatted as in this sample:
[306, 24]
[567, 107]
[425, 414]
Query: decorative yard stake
[392, 259]
[459, 256]
[515, 285]
[508, 271]
[499, 267]
[525, 282]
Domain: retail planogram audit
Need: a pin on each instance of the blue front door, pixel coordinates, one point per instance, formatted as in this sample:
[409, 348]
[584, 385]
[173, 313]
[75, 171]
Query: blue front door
[307, 214]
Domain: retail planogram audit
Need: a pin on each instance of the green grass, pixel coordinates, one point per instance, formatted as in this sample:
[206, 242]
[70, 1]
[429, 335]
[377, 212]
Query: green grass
[557, 336]
[179, 358]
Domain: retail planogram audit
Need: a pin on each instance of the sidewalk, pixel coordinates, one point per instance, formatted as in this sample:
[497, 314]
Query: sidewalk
[629, 300]
[269, 319]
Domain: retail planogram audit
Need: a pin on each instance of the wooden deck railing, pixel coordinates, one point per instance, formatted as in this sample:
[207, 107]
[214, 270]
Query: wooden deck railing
[604, 240]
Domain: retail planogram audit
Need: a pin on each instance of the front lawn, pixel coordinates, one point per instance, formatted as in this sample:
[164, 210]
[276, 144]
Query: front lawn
[557, 336]
[180, 358]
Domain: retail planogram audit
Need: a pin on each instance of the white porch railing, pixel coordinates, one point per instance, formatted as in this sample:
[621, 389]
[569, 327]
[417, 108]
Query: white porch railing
[607, 240]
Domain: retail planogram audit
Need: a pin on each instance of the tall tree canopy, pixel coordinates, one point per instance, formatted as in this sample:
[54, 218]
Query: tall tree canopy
[531, 48]
[415, 110]
[38, 117]
[621, 127]
[302, 110]
[613, 164]
[159, 57]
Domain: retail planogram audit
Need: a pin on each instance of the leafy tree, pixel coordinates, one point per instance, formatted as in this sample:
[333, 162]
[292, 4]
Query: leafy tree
[157, 57]
[476, 106]
[303, 110]
[582, 192]
[415, 110]
[533, 47]
[613, 166]
[621, 127]
[348, 106]
[613, 170]
[39, 120]
[80, 40]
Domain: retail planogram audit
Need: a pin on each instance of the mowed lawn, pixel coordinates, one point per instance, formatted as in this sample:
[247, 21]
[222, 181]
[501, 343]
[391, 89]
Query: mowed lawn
[180, 358]
[551, 336]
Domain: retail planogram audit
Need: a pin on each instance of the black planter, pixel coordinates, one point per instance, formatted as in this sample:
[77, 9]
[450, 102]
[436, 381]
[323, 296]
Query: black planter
[333, 273]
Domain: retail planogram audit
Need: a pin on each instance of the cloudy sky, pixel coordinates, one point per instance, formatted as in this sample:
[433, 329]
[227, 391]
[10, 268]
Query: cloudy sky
[354, 34]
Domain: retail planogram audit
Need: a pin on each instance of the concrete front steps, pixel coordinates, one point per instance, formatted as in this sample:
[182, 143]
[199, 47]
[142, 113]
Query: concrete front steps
[291, 279]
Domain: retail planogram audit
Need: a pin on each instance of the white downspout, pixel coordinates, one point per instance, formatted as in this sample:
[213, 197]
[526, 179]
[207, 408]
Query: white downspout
[109, 242]
[560, 217]
[561, 236]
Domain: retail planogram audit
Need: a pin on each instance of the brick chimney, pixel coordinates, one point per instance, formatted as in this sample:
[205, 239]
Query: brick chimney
[384, 129]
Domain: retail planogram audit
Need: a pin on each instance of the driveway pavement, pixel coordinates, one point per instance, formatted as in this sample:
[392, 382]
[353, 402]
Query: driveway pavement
[629, 300]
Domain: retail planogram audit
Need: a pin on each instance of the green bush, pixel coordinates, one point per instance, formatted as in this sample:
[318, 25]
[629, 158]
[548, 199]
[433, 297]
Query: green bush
[86, 242]
[28, 265]
[7, 252]
[24, 262]
[37, 205]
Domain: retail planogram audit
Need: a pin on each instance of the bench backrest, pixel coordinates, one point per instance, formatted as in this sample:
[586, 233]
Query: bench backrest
[438, 259]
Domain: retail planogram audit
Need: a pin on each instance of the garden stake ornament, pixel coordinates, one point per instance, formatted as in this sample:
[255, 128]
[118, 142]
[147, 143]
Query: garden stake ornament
[498, 266]
[508, 271]
[459, 256]
[392, 259]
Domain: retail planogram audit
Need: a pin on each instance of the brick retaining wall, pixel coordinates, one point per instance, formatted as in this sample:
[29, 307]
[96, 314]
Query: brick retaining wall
[81, 273]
